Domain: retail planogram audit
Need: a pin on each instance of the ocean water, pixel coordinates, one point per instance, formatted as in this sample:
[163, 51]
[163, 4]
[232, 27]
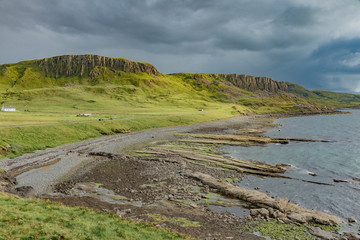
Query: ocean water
[339, 160]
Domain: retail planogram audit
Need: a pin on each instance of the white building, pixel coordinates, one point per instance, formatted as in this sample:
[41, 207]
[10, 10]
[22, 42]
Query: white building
[84, 115]
[8, 109]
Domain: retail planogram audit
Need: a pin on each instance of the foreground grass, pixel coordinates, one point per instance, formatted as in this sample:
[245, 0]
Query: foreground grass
[285, 231]
[39, 219]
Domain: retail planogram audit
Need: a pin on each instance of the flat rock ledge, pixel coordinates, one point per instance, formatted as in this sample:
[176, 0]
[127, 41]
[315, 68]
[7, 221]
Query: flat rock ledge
[265, 206]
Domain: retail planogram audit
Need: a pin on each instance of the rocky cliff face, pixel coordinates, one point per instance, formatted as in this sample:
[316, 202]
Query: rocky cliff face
[69, 65]
[252, 83]
[249, 83]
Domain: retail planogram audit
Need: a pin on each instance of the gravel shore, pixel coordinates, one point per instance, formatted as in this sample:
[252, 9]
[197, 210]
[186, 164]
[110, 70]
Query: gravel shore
[43, 168]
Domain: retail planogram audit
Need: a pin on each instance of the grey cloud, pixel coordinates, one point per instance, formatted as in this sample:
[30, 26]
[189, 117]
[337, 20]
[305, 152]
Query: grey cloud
[163, 22]
[297, 17]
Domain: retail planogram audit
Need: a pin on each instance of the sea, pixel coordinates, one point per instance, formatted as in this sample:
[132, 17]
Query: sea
[315, 161]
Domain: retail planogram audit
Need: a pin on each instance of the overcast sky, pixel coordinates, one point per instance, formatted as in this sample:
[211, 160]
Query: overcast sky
[315, 43]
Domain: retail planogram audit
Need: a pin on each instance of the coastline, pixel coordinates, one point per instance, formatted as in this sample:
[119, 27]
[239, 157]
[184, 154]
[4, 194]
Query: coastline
[145, 178]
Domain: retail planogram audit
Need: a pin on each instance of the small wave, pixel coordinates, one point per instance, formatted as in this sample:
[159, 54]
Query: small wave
[294, 166]
[301, 170]
[354, 188]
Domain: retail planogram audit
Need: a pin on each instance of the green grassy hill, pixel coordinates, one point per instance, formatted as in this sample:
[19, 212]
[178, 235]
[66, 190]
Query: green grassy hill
[326, 98]
[49, 93]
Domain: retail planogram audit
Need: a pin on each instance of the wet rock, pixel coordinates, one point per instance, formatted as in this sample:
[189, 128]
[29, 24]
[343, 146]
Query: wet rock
[25, 192]
[271, 212]
[7, 182]
[173, 190]
[193, 205]
[318, 232]
[286, 220]
[312, 174]
[339, 180]
[297, 218]
[123, 212]
[281, 204]
[254, 212]
[351, 220]
[259, 212]
[262, 200]
[349, 236]
[280, 214]
[171, 197]
[264, 212]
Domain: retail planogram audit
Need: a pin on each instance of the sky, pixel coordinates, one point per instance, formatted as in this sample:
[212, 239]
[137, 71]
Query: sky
[315, 43]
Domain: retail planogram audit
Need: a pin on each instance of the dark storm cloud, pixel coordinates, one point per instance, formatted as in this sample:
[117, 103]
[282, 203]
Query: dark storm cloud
[297, 17]
[337, 64]
[339, 56]
[221, 25]
[304, 41]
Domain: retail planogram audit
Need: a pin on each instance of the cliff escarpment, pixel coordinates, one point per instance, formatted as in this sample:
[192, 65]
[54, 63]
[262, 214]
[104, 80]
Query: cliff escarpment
[69, 65]
[251, 83]
[245, 82]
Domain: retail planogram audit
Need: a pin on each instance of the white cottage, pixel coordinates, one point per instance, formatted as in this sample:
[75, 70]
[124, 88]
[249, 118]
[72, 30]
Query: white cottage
[8, 109]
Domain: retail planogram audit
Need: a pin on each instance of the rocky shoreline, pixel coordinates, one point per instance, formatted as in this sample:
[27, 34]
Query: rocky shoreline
[175, 184]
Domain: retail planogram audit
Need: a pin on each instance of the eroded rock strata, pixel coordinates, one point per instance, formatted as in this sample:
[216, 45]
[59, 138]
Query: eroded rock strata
[280, 208]
[69, 65]
[244, 81]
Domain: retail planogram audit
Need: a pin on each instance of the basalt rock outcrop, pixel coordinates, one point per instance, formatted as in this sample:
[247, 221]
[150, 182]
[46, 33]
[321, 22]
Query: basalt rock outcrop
[247, 82]
[252, 83]
[69, 65]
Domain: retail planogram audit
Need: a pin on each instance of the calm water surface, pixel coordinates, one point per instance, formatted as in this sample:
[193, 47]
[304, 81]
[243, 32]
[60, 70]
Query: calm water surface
[340, 160]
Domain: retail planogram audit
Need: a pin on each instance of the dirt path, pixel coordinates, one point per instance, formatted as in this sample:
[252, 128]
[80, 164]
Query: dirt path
[44, 168]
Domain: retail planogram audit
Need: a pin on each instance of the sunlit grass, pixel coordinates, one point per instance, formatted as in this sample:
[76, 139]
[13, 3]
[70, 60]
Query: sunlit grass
[39, 219]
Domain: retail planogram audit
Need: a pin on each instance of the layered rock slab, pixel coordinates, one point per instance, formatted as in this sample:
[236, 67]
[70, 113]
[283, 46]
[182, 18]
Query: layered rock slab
[286, 211]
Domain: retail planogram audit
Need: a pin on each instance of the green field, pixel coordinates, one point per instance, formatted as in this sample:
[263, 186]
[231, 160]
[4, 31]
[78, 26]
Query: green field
[39, 219]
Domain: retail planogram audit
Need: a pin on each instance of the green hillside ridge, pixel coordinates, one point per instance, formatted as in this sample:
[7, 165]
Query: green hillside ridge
[326, 98]
[49, 93]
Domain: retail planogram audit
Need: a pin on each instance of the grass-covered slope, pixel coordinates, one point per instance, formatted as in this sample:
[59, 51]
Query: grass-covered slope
[39, 219]
[49, 93]
[326, 98]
